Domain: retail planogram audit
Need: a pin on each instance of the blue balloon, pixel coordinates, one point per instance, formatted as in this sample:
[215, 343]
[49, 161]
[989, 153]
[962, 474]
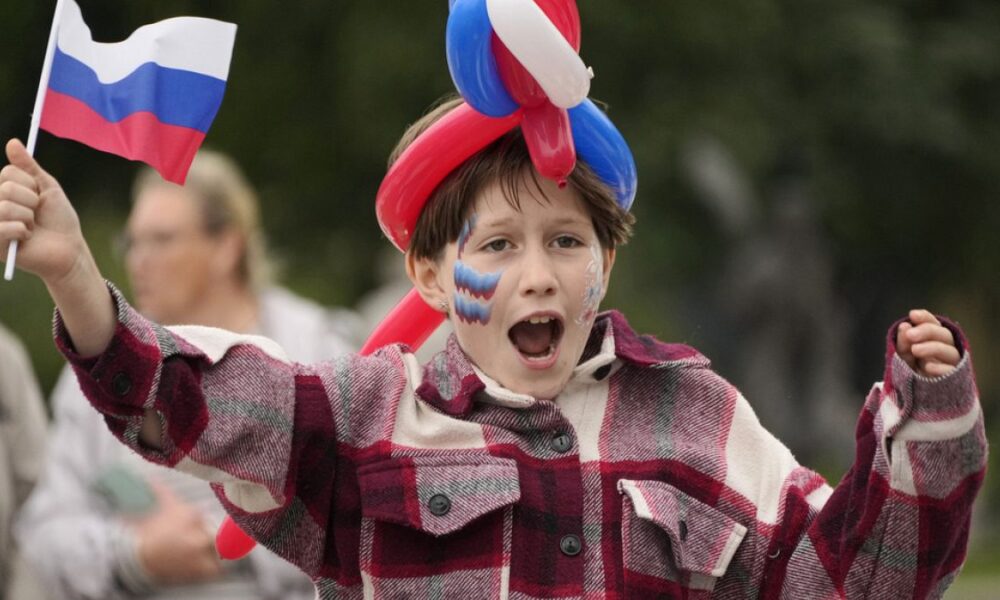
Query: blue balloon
[471, 62]
[602, 147]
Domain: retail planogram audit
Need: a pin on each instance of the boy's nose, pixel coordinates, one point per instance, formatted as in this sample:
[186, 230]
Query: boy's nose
[537, 275]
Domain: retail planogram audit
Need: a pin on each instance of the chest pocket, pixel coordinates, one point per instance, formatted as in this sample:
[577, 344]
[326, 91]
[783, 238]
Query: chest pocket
[672, 544]
[437, 526]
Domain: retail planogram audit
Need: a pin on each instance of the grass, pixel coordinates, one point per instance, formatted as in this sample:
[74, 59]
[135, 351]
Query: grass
[980, 578]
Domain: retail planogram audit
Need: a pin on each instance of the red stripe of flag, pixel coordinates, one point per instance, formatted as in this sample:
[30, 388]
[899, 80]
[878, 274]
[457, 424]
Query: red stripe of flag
[167, 148]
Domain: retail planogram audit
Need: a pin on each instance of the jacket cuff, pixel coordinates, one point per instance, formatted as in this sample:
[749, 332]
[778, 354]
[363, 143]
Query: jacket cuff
[924, 403]
[119, 382]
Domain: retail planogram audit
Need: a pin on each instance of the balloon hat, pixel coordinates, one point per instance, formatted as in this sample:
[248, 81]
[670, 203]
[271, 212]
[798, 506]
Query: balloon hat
[515, 63]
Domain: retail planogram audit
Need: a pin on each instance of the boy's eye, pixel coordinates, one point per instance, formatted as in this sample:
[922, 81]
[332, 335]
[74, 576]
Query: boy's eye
[497, 245]
[566, 241]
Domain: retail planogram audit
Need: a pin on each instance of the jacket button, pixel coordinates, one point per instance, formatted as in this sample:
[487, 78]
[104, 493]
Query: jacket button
[439, 505]
[121, 384]
[602, 372]
[562, 443]
[570, 545]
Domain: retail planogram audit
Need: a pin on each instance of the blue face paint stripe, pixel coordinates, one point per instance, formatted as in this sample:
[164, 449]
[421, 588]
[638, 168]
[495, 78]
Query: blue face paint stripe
[470, 310]
[481, 285]
[465, 234]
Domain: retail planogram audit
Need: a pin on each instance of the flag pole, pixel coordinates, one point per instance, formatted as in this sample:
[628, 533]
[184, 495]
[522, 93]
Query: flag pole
[36, 118]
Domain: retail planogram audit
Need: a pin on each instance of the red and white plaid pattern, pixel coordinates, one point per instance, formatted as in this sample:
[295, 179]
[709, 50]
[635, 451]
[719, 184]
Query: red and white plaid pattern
[667, 478]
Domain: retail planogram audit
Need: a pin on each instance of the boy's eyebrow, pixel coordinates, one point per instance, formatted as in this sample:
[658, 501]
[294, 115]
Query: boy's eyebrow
[491, 223]
[505, 221]
[571, 220]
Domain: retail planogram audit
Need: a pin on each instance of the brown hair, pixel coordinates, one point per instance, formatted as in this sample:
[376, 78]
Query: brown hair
[226, 201]
[504, 161]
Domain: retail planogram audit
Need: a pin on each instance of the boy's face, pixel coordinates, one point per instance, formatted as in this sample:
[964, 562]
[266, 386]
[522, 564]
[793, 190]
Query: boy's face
[523, 286]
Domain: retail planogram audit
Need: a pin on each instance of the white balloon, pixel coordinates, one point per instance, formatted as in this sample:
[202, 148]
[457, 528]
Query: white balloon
[537, 43]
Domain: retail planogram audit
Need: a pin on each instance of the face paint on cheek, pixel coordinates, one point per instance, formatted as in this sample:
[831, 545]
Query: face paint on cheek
[472, 311]
[595, 288]
[474, 293]
[476, 284]
[465, 234]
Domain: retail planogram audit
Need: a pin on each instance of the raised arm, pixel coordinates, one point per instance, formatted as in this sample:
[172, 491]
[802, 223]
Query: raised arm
[897, 525]
[233, 411]
[35, 211]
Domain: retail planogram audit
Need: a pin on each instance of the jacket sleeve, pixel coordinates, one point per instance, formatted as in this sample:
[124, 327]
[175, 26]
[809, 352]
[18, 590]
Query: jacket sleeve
[233, 411]
[897, 525]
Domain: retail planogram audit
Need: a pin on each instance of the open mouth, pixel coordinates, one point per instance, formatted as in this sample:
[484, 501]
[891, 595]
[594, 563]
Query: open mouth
[537, 338]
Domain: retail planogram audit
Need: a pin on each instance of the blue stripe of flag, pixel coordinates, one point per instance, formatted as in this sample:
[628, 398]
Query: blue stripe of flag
[176, 97]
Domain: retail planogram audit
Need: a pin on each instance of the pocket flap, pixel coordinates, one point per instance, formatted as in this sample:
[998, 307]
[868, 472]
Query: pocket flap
[702, 539]
[437, 495]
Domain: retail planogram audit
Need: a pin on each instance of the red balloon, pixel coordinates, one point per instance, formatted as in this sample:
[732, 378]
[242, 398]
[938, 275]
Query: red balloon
[565, 16]
[549, 137]
[430, 158]
[518, 81]
[231, 542]
[410, 323]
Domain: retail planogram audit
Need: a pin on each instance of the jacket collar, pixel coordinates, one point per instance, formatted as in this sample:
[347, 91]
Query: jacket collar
[451, 383]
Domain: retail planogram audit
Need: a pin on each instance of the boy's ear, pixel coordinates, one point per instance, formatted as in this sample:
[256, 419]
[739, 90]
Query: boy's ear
[425, 275]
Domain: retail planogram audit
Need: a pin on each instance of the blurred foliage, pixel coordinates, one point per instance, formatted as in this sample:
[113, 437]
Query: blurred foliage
[891, 109]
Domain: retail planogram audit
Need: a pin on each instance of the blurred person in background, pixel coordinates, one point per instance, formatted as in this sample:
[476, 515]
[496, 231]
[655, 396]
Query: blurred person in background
[103, 523]
[22, 446]
[781, 328]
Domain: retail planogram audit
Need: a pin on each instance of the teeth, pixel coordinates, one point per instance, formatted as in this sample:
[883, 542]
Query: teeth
[539, 320]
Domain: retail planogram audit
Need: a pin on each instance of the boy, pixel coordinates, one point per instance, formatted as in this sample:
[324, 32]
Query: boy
[549, 452]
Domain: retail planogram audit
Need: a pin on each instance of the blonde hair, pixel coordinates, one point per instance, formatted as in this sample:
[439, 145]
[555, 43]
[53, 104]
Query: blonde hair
[226, 201]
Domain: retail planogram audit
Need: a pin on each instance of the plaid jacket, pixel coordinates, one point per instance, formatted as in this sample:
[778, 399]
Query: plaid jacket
[649, 477]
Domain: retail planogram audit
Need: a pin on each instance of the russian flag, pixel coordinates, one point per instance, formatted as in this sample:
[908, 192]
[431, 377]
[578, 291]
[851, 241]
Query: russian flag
[151, 97]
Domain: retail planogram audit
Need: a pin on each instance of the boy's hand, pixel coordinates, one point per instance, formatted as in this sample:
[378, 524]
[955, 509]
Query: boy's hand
[35, 211]
[926, 345]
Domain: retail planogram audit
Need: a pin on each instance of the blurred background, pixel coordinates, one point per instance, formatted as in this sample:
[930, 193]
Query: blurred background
[808, 171]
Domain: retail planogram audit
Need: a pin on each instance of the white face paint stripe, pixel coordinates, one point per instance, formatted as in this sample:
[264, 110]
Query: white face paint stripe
[595, 287]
